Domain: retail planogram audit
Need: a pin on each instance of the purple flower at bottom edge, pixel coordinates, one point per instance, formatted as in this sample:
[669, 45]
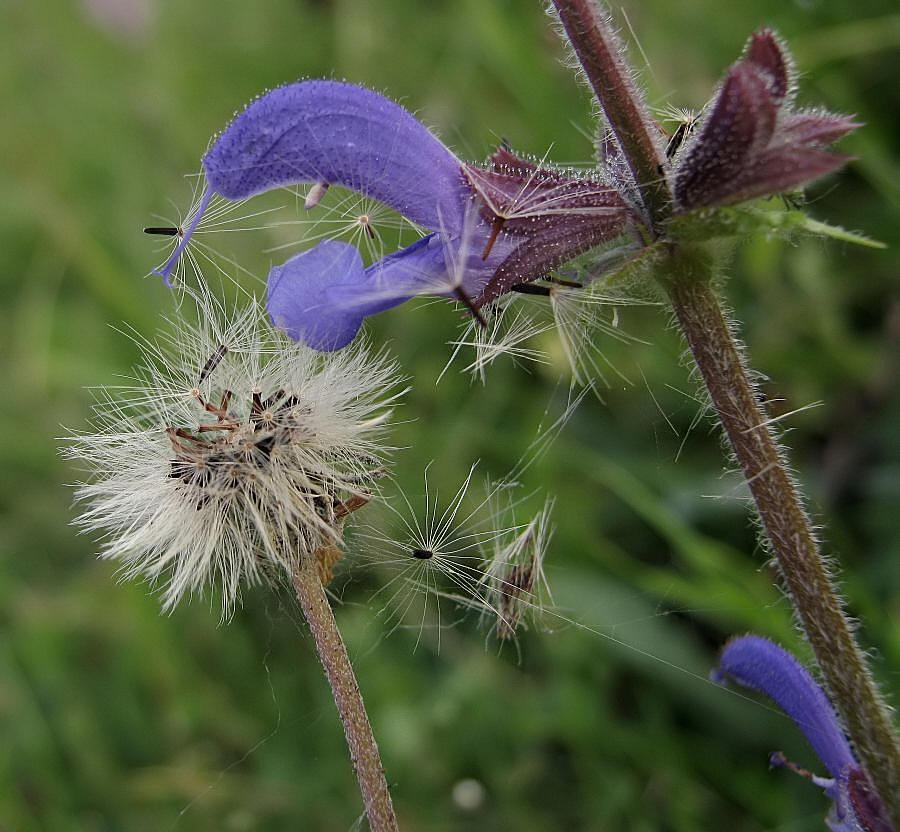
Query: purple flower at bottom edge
[757, 663]
[751, 143]
[492, 229]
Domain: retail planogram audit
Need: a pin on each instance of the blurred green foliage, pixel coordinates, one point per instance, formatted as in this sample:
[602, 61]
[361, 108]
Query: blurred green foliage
[115, 718]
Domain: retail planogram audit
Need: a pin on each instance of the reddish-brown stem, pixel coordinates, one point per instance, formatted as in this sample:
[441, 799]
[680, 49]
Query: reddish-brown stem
[787, 527]
[602, 57]
[339, 672]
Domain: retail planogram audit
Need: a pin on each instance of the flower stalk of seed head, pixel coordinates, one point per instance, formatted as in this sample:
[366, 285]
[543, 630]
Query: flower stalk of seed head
[339, 672]
[235, 457]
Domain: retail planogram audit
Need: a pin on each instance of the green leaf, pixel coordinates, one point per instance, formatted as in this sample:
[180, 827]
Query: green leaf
[743, 221]
[823, 229]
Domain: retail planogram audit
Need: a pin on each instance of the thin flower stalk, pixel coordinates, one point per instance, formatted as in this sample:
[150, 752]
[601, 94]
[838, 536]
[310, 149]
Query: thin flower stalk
[234, 457]
[339, 672]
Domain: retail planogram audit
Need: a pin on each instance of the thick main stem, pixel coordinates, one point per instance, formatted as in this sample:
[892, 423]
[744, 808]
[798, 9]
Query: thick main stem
[864, 714]
[339, 672]
[601, 56]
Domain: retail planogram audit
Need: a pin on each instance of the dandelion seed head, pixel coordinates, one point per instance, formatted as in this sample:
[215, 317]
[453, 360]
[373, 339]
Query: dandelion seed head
[232, 453]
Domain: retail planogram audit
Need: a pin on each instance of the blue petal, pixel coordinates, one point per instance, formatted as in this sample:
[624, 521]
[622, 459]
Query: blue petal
[757, 663]
[341, 134]
[321, 296]
[298, 295]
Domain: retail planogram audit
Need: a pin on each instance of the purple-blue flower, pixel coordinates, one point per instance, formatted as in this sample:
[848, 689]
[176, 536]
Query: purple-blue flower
[492, 228]
[751, 143]
[757, 663]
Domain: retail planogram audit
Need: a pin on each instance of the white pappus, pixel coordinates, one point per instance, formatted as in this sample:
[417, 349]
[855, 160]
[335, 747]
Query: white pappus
[231, 453]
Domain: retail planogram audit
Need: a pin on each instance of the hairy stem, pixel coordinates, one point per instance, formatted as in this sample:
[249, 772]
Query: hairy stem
[339, 672]
[818, 607]
[602, 57]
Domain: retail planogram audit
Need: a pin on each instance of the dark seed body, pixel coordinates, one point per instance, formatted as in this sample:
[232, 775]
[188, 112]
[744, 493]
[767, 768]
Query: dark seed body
[422, 554]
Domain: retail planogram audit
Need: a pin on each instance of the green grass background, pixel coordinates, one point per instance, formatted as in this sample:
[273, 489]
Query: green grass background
[115, 718]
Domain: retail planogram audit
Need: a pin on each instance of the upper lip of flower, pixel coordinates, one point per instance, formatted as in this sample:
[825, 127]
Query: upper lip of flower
[752, 142]
[757, 663]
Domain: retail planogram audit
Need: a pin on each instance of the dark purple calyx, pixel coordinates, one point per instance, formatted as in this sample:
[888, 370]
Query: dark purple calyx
[771, 61]
[555, 217]
[752, 143]
[867, 806]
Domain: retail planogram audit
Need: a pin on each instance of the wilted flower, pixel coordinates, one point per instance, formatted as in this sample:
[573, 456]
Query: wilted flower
[757, 663]
[232, 453]
[751, 142]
